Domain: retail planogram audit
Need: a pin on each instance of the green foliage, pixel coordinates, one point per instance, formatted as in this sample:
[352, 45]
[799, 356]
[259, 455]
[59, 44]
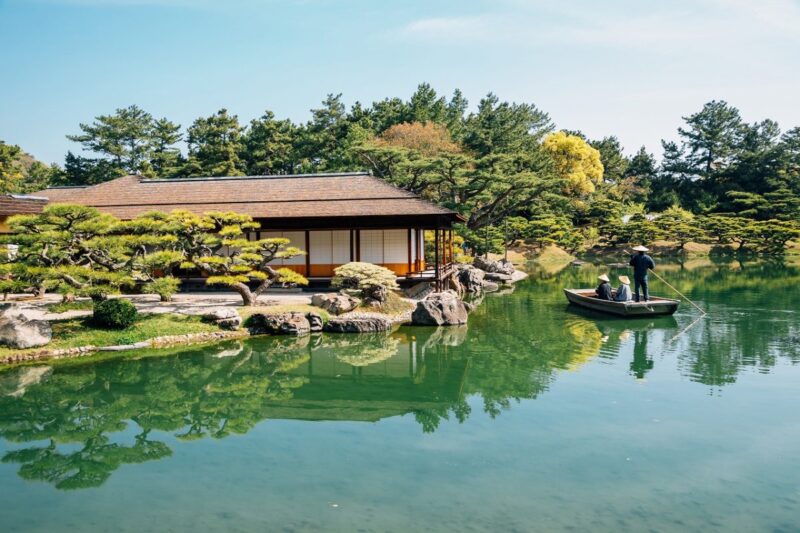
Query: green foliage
[216, 244]
[366, 277]
[215, 143]
[771, 236]
[165, 287]
[496, 165]
[116, 314]
[680, 226]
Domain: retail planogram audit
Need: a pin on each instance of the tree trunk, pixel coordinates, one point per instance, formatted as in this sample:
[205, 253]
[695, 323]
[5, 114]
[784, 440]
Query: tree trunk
[248, 298]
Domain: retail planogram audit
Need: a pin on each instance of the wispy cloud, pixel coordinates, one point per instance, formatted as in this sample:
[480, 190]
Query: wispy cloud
[679, 25]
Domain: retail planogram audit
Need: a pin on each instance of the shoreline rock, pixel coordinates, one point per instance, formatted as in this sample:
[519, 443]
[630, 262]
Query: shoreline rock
[20, 332]
[440, 309]
[366, 323]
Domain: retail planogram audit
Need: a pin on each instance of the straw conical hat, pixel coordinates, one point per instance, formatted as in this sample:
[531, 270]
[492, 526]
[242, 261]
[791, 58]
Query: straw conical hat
[640, 249]
[603, 277]
[625, 279]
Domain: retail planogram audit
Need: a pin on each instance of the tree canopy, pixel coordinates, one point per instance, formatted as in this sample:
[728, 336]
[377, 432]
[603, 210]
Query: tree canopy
[494, 161]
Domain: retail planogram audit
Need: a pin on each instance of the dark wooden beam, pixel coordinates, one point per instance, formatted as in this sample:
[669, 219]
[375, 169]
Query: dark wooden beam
[374, 222]
[308, 253]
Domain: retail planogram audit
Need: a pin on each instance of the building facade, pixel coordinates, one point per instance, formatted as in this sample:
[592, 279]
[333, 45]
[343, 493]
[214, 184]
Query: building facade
[333, 218]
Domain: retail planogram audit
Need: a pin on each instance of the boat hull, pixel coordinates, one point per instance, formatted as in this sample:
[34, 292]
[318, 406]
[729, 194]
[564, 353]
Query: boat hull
[654, 307]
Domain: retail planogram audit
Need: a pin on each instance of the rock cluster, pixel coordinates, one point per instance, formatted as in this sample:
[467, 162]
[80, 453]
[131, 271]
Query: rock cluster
[501, 267]
[292, 323]
[224, 317]
[471, 278]
[440, 309]
[335, 303]
[19, 331]
[366, 323]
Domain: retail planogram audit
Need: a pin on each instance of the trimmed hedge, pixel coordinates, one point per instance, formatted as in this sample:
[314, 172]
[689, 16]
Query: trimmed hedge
[117, 313]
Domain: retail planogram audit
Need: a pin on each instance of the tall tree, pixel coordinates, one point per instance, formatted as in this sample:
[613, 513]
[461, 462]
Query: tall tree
[165, 157]
[215, 143]
[123, 138]
[325, 140]
[502, 127]
[11, 174]
[576, 162]
[615, 164]
[711, 137]
[268, 146]
[80, 170]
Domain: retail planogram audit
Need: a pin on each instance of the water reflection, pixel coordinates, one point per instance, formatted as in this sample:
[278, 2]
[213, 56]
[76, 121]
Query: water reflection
[73, 426]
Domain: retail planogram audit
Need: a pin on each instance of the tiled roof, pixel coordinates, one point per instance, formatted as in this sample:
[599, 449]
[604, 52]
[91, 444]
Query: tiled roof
[297, 196]
[17, 204]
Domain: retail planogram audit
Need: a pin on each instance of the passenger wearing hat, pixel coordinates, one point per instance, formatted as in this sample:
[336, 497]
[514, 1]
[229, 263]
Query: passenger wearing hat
[641, 263]
[604, 290]
[623, 293]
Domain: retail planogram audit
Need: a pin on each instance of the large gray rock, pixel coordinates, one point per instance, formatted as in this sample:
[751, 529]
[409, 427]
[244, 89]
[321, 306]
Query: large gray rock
[440, 309]
[224, 317]
[315, 321]
[490, 286]
[335, 303]
[281, 324]
[370, 324]
[487, 265]
[18, 331]
[498, 276]
[471, 278]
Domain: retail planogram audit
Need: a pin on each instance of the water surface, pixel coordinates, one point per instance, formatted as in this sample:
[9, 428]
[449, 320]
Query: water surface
[534, 417]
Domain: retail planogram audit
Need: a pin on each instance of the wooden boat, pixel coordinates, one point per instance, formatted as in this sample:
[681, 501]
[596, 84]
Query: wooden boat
[588, 299]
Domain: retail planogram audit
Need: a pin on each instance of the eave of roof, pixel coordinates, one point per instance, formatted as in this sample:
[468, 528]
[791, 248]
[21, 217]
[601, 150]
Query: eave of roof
[344, 194]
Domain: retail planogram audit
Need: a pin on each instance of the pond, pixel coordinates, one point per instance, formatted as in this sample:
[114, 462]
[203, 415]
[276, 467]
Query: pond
[533, 417]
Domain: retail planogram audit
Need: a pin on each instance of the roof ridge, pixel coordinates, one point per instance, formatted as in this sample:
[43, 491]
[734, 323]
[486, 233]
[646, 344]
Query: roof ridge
[267, 176]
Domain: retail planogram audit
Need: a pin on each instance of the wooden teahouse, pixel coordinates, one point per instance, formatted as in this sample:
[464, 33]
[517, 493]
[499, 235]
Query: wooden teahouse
[334, 218]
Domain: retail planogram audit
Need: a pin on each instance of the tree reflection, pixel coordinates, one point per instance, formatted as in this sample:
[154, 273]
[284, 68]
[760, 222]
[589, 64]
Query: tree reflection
[75, 425]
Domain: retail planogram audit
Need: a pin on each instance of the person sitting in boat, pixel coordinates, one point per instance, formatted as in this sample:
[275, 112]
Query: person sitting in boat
[641, 263]
[604, 290]
[623, 293]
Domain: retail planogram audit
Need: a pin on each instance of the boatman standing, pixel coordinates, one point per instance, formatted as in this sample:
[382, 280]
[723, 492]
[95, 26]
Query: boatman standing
[641, 263]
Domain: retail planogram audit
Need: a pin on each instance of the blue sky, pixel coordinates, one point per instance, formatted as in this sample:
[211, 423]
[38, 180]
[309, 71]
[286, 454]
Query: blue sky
[629, 68]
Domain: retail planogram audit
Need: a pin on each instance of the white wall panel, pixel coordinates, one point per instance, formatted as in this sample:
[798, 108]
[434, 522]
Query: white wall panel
[372, 246]
[340, 243]
[395, 246]
[321, 252]
[298, 240]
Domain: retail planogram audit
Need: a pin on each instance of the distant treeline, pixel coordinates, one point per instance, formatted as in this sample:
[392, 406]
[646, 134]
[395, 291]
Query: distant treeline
[503, 165]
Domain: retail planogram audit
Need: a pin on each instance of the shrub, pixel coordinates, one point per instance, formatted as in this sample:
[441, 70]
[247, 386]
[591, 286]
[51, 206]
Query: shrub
[372, 280]
[117, 313]
[165, 287]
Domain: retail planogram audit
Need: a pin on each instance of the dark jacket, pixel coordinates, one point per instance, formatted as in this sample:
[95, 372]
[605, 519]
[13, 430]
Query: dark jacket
[641, 263]
[604, 291]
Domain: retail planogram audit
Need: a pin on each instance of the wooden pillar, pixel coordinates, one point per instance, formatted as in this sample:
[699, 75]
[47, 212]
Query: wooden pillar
[452, 251]
[308, 253]
[358, 245]
[420, 248]
[352, 254]
[436, 258]
[409, 251]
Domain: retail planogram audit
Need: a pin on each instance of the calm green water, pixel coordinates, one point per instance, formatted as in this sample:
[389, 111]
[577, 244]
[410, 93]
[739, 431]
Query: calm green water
[533, 418]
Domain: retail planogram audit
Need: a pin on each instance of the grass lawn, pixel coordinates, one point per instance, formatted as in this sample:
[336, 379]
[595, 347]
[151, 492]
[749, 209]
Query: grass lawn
[78, 305]
[81, 332]
[394, 305]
